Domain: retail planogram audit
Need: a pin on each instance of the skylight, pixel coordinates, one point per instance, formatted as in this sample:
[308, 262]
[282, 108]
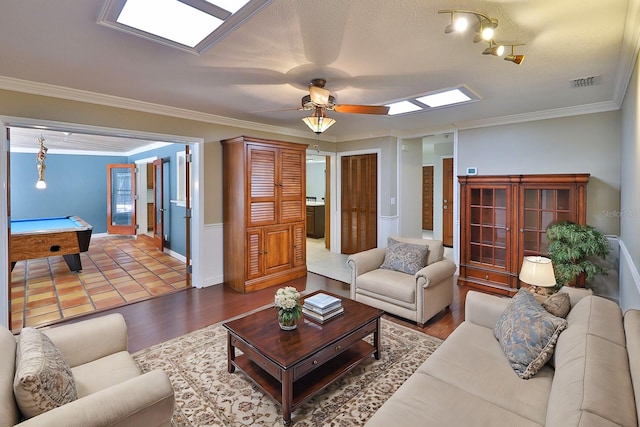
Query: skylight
[441, 99]
[169, 19]
[187, 24]
[438, 99]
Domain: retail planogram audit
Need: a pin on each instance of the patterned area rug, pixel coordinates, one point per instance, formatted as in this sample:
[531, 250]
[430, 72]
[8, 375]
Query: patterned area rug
[207, 395]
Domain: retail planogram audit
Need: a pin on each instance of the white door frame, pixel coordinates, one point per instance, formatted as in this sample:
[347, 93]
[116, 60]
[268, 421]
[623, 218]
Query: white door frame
[197, 201]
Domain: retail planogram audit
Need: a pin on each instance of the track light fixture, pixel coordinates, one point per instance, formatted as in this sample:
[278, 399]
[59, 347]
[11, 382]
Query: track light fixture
[485, 30]
[516, 59]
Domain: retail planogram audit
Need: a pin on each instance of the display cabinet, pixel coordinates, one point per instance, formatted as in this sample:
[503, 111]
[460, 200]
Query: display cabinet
[504, 218]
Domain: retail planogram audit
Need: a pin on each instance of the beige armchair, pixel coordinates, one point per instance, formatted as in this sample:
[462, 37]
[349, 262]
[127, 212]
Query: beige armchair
[416, 297]
[110, 388]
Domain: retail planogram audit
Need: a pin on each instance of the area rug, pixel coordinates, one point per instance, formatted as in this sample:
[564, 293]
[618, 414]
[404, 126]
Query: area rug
[207, 395]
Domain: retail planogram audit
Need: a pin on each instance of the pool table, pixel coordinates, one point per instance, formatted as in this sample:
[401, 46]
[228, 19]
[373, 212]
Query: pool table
[44, 237]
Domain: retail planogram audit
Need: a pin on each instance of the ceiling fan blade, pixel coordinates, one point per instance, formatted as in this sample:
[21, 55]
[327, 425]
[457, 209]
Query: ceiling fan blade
[362, 109]
[319, 95]
[279, 109]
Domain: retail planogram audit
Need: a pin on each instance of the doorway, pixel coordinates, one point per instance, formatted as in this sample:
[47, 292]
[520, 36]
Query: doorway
[359, 203]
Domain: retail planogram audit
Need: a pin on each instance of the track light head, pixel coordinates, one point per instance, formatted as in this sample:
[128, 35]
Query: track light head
[495, 50]
[516, 59]
[458, 24]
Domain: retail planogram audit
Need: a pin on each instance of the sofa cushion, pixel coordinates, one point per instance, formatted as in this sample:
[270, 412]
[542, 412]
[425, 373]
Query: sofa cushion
[527, 334]
[8, 408]
[404, 257]
[389, 285]
[43, 379]
[558, 304]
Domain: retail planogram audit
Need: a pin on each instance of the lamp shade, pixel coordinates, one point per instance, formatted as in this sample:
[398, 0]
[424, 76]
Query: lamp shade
[318, 124]
[537, 271]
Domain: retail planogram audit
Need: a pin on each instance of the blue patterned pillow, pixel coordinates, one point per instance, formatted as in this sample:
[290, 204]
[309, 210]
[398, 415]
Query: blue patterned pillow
[405, 257]
[527, 334]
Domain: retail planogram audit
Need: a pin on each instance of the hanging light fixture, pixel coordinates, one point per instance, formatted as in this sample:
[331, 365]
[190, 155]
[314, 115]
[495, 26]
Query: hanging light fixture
[318, 122]
[40, 157]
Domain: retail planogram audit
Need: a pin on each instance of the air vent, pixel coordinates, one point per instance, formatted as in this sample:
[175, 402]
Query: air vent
[584, 81]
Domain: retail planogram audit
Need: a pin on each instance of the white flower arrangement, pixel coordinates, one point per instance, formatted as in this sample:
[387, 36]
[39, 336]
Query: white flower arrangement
[287, 302]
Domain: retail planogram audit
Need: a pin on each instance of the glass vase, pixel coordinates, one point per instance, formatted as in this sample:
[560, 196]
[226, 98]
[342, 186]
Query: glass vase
[287, 323]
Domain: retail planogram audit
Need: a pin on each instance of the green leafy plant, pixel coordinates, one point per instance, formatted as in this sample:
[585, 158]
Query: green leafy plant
[287, 302]
[570, 246]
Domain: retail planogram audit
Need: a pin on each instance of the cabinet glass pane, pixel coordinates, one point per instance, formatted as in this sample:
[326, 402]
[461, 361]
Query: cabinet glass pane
[487, 235]
[487, 197]
[475, 253]
[563, 200]
[475, 234]
[487, 216]
[487, 254]
[564, 216]
[531, 241]
[547, 199]
[500, 237]
[475, 215]
[547, 219]
[531, 220]
[475, 196]
[531, 199]
[501, 198]
[500, 217]
[500, 257]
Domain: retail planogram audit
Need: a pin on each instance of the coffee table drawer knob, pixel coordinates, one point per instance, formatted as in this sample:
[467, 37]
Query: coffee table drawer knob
[315, 362]
[338, 348]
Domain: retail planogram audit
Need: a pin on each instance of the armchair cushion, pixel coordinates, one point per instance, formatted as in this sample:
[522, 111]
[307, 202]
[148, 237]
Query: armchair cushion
[43, 379]
[404, 257]
[558, 304]
[528, 334]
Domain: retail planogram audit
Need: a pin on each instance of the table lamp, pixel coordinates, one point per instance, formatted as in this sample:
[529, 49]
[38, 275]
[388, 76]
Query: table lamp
[538, 272]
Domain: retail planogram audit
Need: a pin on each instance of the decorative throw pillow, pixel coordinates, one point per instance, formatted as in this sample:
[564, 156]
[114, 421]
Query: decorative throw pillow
[404, 257]
[527, 334]
[558, 304]
[43, 379]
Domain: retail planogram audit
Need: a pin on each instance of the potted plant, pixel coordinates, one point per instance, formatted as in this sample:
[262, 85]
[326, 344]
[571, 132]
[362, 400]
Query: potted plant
[287, 302]
[570, 246]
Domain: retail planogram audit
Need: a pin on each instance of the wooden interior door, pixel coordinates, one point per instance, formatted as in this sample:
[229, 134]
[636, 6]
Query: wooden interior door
[427, 197]
[447, 202]
[359, 199]
[158, 200]
[121, 203]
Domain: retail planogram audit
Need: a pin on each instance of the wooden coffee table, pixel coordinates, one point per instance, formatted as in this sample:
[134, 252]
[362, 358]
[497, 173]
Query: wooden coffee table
[293, 366]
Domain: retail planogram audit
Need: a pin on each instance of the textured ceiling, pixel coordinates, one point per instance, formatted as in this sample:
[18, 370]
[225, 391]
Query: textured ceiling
[370, 52]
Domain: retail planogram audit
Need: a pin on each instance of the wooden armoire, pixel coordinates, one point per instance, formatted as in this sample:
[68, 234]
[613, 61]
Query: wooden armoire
[264, 212]
[504, 218]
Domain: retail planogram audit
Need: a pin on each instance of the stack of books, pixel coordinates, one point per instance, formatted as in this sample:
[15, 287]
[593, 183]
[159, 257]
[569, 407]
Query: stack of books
[322, 307]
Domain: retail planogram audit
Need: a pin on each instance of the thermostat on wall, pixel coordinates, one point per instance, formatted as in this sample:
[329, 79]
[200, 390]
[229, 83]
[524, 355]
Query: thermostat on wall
[472, 171]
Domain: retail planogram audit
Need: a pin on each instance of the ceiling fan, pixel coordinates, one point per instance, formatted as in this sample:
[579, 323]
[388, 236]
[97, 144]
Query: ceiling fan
[319, 97]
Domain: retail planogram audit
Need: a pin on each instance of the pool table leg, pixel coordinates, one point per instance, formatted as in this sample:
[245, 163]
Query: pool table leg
[73, 261]
[13, 264]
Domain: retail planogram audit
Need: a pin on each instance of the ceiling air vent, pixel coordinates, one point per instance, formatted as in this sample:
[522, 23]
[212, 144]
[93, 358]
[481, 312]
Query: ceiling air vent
[584, 81]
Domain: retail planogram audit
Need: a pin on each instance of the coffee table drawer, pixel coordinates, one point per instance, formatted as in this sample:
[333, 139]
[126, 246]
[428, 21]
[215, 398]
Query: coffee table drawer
[257, 358]
[331, 351]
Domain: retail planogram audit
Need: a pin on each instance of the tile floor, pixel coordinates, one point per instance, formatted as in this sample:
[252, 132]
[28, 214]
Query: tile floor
[326, 263]
[116, 270]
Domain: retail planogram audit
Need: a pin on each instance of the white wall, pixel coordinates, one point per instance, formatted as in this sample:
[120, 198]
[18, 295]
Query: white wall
[629, 212]
[410, 188]
[580, 144]
[316, 180]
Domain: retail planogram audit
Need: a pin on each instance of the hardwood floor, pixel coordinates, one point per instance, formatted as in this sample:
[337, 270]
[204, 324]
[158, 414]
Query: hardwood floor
[153, 321]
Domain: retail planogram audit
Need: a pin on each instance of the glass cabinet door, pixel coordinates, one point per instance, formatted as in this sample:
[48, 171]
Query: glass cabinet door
[541, 208]
[488, 226]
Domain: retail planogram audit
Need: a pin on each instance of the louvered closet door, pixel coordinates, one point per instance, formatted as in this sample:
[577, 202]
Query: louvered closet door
[359, 203]
[261, 194]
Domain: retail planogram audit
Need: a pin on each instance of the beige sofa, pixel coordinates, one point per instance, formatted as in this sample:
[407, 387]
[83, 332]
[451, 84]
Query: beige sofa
[111, 390]
[416, 297]
[468, 381]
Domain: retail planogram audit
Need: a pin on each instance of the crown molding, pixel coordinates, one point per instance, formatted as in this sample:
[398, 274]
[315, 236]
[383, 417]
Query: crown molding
[44, 89]
[629, 51]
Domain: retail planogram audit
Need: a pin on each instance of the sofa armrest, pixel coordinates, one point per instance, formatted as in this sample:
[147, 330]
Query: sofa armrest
[146, 400]
[91, 339]
[484, 309]
[363, 262]
[435, 273]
